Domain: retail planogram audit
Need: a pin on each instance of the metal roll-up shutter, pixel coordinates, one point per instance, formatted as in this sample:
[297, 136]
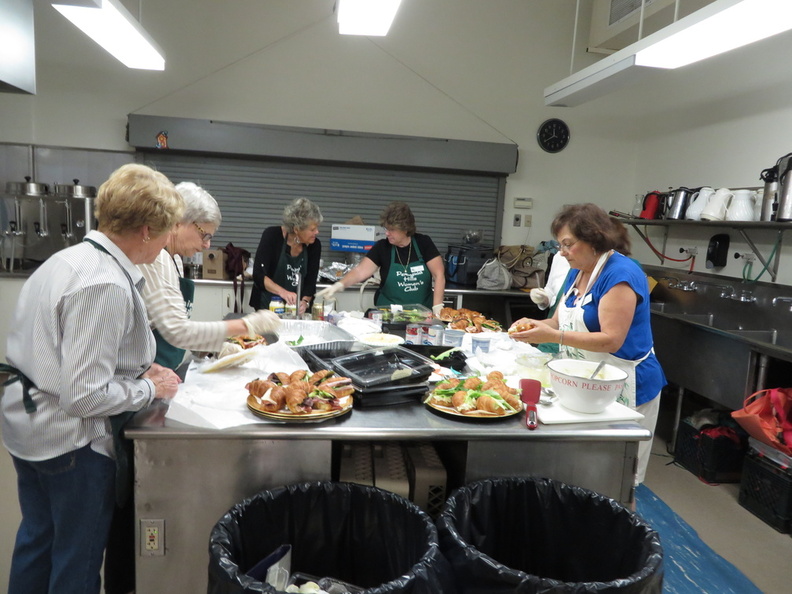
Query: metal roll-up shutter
[253, 193]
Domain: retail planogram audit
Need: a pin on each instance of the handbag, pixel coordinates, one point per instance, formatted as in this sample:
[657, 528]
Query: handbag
[767, 417]
[519, 261]
[494, 275]
[236, 262]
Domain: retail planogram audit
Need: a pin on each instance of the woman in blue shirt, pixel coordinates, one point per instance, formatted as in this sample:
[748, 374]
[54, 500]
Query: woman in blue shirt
[604, 310]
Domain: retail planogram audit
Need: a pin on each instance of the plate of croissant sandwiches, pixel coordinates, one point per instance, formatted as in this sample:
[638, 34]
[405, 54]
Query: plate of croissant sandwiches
[300, 396]
[475, 397]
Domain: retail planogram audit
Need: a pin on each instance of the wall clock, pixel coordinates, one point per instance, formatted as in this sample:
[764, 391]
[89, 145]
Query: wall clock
[553, 135]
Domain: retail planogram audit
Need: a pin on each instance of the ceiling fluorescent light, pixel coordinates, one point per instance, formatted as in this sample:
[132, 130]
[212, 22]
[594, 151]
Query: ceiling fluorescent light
[372, 18]
[716, 29]
[695, 37]
[110, 25]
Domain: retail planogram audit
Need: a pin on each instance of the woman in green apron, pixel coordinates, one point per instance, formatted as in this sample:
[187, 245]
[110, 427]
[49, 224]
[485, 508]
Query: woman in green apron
[169, 295]
[411, 267]
[287, 258]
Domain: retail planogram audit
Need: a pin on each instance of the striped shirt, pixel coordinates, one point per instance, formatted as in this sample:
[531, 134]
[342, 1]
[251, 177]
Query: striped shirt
[80, 333]
[167, 311]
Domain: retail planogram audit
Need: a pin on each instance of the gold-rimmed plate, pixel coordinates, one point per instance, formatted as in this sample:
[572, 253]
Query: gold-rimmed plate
[286, 416]
[478, 414]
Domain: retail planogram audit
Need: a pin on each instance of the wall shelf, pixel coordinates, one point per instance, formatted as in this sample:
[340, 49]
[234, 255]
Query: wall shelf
[742, 227]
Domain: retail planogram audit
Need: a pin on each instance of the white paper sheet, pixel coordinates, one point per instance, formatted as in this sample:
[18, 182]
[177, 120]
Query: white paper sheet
[218, 400]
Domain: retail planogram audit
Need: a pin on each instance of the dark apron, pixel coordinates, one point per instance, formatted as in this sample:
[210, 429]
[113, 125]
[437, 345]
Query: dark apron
[168, 355]
[121, 445]
[405, 285]
[288, 273]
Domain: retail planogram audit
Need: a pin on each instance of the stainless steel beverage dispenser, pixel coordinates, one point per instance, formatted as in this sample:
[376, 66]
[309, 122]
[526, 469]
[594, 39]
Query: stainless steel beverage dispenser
[77, 215]
[784, 212]
[26, 232]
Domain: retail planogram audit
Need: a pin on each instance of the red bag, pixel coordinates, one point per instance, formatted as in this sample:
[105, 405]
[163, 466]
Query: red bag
[767, 417]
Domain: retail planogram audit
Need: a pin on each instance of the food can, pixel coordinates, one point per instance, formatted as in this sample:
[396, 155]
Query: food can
[413, 334]
[318, 311]
[290, 311]
[432, 335]
[376, 316]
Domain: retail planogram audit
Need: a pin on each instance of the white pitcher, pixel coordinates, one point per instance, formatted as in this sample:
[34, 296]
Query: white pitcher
[697, 203]
[717, 205]
[741, 207]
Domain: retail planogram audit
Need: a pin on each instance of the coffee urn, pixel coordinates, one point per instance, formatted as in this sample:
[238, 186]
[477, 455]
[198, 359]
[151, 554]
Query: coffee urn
[784, 165]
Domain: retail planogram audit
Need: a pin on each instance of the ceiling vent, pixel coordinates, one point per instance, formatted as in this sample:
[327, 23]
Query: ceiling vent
[614, 23]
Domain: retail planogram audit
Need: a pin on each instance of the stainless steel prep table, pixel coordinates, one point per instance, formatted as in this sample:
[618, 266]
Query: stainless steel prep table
[189, 476]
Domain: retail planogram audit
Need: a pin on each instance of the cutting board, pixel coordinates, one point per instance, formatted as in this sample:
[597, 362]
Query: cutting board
[555, 413]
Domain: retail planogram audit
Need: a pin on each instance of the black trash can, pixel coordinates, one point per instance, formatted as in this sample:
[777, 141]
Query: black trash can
[540, 535]
[356, 534]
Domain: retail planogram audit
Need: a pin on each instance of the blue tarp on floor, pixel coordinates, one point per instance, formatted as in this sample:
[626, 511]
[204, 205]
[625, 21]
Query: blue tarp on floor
[691, 567]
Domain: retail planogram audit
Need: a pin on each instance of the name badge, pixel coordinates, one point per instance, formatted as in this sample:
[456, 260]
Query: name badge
[417, 269]
[587, 299]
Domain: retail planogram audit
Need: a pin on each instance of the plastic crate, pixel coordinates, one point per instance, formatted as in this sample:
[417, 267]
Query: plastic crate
[764, 450]
[390, 471]
[428, 482]
[766, 491]
[356, 463]
[717, 460]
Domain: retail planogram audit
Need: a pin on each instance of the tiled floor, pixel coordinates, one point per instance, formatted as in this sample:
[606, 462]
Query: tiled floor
[759, 551]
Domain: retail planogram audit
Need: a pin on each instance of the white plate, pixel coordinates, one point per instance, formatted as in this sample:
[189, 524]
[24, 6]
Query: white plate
[233, 360]
[381, 339]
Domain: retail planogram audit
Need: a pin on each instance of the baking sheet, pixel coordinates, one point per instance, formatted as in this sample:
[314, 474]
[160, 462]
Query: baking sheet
[550, 414]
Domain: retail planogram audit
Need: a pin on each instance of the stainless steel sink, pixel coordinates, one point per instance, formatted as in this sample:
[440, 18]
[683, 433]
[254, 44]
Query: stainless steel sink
[705, 319]
[766, 336]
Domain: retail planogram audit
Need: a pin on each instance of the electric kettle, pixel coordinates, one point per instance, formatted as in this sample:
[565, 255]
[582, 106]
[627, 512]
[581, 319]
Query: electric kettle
[677, 203]
[653, 205]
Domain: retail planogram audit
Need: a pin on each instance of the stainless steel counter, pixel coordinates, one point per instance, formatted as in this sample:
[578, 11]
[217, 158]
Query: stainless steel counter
[188, 477]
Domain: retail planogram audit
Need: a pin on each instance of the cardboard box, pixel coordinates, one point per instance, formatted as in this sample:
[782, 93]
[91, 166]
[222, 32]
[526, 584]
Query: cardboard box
[214, 262]
[354, 238]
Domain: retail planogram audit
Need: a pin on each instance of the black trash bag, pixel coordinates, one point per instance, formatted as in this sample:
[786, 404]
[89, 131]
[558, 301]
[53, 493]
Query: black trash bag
[542, 536]
[360, 535]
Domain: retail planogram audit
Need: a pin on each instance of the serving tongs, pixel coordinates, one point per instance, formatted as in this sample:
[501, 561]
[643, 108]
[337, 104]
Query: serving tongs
[530, 391]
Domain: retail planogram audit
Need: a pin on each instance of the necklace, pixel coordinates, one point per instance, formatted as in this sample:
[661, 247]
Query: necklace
[409, 254]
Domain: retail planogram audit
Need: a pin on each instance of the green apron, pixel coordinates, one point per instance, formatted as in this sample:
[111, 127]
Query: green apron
[288, 273]
[167, 354]
[407, 284]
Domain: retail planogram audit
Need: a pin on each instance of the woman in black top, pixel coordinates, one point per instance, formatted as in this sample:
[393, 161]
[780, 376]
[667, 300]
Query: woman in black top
[411, 268]
[287, 258]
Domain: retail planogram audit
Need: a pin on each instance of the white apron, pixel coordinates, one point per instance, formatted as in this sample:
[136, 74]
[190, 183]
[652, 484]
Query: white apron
[570, 319]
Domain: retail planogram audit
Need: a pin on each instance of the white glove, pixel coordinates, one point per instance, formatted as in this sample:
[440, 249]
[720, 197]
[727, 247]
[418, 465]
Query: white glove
[541, 298]
[436, 309]
[262, 321]
[336, 287]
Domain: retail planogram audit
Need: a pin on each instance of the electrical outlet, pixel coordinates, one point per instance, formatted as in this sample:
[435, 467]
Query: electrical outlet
[527, 220]
[517, 220]
[152, 538]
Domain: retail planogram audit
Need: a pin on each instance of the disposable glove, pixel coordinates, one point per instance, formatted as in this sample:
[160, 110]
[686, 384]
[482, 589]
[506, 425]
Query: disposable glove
[336, 287]
[262, 321]
[436, 309]
[541, 298]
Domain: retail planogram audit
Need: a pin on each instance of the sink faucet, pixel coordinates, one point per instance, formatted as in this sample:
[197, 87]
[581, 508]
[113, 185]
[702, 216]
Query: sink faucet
[727, 291]
[777, 300]
[675, 283]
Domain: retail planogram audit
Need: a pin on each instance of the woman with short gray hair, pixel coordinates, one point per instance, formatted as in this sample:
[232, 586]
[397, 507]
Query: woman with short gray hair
[287, 258]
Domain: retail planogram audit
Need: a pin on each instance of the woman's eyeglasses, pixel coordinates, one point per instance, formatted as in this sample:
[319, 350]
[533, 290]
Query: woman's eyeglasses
[565, 247]
[205, 237]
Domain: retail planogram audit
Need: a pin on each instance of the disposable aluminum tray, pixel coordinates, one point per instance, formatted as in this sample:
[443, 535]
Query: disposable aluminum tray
[317, 336]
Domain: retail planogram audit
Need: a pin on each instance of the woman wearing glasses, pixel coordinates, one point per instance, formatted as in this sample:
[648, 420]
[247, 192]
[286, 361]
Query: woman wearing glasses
[603, 313]
[169, 295]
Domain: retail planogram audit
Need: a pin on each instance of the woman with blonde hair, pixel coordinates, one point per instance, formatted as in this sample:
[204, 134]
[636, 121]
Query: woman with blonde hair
[81, 348]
